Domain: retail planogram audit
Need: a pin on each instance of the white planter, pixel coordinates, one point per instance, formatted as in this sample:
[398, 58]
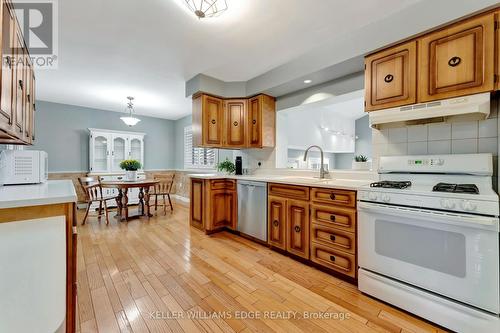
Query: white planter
[361, 165]
[130, 176]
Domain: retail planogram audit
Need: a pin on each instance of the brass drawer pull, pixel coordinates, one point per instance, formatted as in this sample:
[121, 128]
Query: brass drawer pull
[332, 196]
[297, 228]
[332, 218]
[332, 238]
[332, 258]
[388, 78]
[235, 123]
[454, 61]
[276, 223]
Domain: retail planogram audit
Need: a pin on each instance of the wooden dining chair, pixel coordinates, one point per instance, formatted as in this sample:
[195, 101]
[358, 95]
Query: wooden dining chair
[163, 189]
[93, 193]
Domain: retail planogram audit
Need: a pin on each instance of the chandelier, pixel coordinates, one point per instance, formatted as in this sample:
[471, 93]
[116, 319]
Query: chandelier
[130, 120]
[207, 8]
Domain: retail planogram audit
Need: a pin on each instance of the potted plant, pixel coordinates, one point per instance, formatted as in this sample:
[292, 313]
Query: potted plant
[226, 167]
[130, 167]
[360, 163]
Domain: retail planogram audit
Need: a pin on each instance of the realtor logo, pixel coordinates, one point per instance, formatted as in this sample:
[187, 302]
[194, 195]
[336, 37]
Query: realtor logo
[38, 24]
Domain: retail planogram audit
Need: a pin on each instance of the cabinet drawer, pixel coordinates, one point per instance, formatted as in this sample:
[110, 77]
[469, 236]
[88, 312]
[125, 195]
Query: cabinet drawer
[222, 184]
[333, 237]
[289, 191]
[335, 197]
[338, 217]
[339, 261]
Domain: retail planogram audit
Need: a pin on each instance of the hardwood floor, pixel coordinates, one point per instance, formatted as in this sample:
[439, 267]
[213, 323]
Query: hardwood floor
[160, 275]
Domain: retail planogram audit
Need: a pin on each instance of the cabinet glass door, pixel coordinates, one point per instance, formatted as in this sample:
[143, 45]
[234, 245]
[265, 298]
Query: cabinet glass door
[119, 151]
[136, 149]
[100, 153]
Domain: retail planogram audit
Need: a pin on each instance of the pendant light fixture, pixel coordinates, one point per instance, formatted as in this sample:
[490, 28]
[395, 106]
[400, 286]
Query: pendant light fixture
[130, 120]
[207, 8]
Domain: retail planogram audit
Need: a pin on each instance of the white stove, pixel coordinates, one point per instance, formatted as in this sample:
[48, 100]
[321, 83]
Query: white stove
[433, 253]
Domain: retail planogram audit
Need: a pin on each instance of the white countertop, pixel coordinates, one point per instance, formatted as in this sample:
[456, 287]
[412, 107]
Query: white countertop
[337, 183]
[51, 192]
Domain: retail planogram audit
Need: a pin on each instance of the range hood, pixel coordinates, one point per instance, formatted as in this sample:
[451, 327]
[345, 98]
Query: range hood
[472, 107]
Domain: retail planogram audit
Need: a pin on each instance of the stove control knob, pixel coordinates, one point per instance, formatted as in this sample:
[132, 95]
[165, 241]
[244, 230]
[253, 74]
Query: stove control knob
[468, 206]
[386, 198]
[447, 203]
[373, 196]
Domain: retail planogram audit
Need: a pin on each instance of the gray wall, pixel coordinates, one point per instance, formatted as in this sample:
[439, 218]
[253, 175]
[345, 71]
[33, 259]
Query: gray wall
[179, 141]
[61, 130]
[363, 145]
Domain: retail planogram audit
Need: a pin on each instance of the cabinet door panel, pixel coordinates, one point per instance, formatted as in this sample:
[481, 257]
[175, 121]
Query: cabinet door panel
[277, 222]
[18, 84]
[255, 122]
[196, 207]
[26, 97]
[390, 77]
[6, 108]
[234, 128]
[222, 208]
[458, 60]
[212, 121]
[298, 228]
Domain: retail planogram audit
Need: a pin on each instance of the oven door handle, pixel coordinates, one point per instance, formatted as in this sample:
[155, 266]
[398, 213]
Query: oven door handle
[473, 221]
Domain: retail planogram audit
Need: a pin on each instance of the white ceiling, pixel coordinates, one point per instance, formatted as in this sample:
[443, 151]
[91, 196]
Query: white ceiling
[148, 48]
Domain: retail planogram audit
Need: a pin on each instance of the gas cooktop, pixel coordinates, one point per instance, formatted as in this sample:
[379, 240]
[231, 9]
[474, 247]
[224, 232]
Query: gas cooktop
[391, 184]
[456, 188]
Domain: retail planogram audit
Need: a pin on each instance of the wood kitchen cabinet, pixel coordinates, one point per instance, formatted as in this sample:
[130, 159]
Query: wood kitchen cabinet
[276, 211]
[234, 130]
[214, 204]
[261, 122]
[288, 219]
[297, 228]
[458, 60]
[233, 123]
[17, 98]
[391, 77]
[452, 61]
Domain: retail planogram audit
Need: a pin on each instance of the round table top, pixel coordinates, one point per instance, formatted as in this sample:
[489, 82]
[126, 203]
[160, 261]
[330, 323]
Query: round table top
[127, 184]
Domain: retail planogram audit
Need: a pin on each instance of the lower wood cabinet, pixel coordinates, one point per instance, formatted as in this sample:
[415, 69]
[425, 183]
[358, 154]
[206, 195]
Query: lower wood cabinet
[214, 204]
[318, 224]
[276, 211]
[297, 228]
[329, 257]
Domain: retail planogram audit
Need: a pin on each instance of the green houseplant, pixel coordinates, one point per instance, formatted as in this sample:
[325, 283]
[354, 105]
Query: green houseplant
[226, 167]
[130, 167]
[360, 162]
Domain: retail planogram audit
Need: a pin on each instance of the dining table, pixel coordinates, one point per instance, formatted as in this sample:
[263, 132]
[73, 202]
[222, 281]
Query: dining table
[123, 187]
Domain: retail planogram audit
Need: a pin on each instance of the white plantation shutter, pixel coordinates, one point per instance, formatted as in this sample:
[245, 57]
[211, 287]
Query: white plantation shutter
[195, 158]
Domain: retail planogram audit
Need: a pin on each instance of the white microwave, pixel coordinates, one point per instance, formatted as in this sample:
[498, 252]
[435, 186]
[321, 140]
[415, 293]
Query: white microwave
[23, 167]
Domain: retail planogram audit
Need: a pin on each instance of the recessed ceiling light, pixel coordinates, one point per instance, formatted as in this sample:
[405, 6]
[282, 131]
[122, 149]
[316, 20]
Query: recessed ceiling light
[307, 81]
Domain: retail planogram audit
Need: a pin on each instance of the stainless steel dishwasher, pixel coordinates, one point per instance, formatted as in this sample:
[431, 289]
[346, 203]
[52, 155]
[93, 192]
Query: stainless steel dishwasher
[252, 209]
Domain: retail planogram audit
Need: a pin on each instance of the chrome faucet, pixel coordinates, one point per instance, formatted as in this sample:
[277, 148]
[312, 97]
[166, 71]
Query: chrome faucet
[322, 171]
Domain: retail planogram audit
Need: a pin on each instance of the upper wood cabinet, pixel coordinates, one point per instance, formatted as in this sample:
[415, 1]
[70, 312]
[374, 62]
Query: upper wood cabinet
[234, 123]
[17, 99]
[391, 78]
[453, 61]
[497, 50]
[458, 60]
[261, 122]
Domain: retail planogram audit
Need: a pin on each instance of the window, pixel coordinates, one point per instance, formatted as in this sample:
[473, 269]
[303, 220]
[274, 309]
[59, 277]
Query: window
[197, 158]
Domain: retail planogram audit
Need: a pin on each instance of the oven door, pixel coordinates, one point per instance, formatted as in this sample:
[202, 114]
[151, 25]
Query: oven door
[454, 255]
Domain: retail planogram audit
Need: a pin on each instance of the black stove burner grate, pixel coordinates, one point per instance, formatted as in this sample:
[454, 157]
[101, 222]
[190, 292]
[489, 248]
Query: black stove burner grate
[391, 184]
[456, 188]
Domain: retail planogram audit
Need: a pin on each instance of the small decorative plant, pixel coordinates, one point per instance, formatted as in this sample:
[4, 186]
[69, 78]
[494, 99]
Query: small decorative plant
[361, 158]
[226, 166]
[130, 165]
